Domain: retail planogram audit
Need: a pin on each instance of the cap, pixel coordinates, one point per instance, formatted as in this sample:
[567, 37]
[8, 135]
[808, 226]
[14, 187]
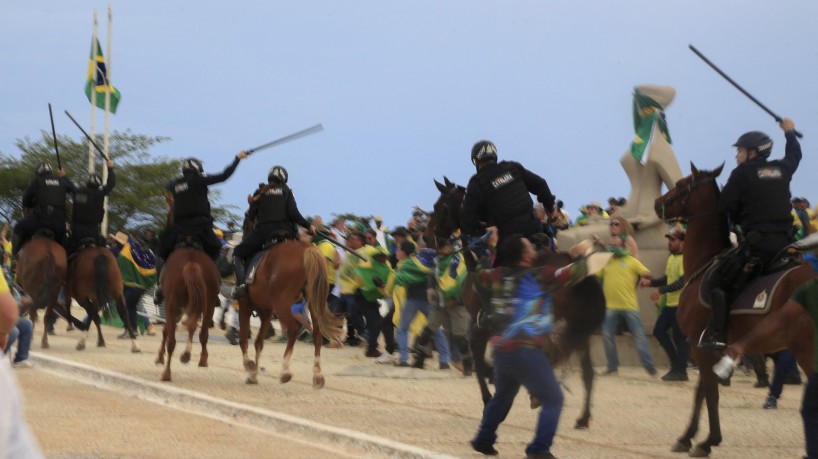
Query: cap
[121, 237]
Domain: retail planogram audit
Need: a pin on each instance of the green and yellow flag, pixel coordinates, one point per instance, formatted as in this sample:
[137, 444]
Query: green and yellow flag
[647, 113]
[96, 79]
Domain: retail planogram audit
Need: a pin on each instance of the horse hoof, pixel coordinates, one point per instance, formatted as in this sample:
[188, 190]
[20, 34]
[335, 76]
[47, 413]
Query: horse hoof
[203, 364]
[159, 361]
[45, 345]
[136, 350]
[185, 358]
[680, 447]
[581, 424]
[166, 376]
[318, 382]
[81, 346]
[249, 365]
[699, 451]
[100, 343]
[285, 378]
[251, 380]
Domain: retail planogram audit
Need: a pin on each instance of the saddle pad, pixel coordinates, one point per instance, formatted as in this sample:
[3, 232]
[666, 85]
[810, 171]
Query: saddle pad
[251, 267]
[756, 296]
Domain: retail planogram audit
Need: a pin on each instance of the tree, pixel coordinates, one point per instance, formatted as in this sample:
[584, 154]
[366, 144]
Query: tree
[138, 198]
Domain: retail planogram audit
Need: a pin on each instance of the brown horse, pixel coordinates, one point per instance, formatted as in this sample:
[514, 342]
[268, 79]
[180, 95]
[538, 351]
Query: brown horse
[580, 308]
[190, 282]
[695, 198]
[94, 281]
[288, 270]
[41, 271]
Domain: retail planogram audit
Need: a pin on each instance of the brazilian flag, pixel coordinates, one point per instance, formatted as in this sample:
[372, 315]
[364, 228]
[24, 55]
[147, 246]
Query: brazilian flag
[647, 113]
[96, 79]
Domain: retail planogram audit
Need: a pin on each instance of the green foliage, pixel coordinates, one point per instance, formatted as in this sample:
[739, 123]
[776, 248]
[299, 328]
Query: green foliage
[138, 198]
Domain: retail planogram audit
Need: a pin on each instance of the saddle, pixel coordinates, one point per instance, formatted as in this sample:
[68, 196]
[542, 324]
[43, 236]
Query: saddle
[276, 238]
[84, 243]
[191, 242]
[756, 295]
[44, 233]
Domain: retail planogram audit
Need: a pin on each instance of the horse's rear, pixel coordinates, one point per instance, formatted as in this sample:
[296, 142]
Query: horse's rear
[41, 272]
[289, 269]
[190, 282]
[94, 281]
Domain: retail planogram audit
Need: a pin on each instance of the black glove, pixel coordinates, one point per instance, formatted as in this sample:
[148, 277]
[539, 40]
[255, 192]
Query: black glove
[378, 282]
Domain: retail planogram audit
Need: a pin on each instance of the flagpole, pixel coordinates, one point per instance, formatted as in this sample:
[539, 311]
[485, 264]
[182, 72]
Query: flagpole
[107, 123]
[93, 95]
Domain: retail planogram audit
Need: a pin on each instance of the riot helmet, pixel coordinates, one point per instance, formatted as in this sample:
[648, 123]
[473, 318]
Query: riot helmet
[44, 169]
[192, 165]
[756, 140]
[277, 174]
[94, 180]
[483, 151]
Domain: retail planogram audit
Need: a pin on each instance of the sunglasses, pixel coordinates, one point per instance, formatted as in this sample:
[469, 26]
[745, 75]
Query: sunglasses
[614, 223]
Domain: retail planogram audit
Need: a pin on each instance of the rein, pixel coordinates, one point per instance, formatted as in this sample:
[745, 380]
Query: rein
[686, 195]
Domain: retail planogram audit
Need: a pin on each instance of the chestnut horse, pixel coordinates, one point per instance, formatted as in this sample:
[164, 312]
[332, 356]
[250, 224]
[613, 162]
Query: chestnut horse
[41, 272]
[695, 198]
[190, 283]
[580, 308]
[94, 281]
[288, 270]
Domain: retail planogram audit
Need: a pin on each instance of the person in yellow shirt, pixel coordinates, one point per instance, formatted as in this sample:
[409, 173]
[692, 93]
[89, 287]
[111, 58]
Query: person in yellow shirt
[666, 296]
[619, 280]
[347, 278]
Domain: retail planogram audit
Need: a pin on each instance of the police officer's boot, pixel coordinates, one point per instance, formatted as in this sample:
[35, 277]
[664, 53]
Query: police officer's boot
[717, 340]
[421, 347]
[240, 289]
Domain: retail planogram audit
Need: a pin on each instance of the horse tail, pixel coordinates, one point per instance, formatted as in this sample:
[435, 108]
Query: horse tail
[42, 296]
[315, 267]
[102, 287]
[196, 292]
[585, 313]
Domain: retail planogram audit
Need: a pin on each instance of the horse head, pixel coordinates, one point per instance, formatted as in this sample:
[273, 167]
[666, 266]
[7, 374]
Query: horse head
[688, 198]
[445, 218]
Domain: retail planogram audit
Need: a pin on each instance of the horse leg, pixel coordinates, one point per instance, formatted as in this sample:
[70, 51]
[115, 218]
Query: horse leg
[97, 323]
[709, 381]
[169, 335]
[49, 313]
[292, 335]
[588, 383]
[85, 329]
[160, 357]
[191, 329]
[244, 334]
[204, 332]
[684, 443]
[317, 341]
[479, 341]
[264, 318]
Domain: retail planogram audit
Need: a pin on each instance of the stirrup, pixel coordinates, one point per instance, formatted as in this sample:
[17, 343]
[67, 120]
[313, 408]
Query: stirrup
[710, 343]
[239, 290]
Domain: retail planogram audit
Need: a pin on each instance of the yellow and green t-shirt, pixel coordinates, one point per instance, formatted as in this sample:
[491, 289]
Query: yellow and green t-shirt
[619, 278]
[673, 270]
[328, 250]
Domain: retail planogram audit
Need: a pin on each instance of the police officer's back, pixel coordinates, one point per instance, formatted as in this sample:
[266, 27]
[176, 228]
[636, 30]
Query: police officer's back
[45, 196]
[88, 210]
[498, 194]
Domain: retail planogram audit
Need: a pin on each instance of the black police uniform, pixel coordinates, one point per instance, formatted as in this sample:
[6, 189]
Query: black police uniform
[46, 197]
[498, 194]
[191, 211]
[88, 211]
[756, 197]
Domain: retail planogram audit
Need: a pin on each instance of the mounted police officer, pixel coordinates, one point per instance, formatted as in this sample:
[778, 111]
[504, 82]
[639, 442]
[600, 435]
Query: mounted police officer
[88, 210]
[191, 209]
[46, 197]
[756, 199]
[498, 194]
[273, 210]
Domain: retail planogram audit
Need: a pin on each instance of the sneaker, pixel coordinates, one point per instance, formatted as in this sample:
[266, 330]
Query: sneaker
[373, 353]
[533, 455]
[762, 383]
[487, 450]
[457, 366]
[445, 366]
[232, 336]
[386, 358]
[124, 335]
[675, 376]
[609, 372]
[150, 331]
[403, 364]
[771, 403]
[24, 364]
[352, 342]
[651, 371]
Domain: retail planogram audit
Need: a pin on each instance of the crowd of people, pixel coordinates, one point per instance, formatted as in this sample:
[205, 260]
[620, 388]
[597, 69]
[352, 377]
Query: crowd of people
[419, 285]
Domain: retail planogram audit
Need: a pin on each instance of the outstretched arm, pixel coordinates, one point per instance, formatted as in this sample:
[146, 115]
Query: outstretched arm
[225, 174]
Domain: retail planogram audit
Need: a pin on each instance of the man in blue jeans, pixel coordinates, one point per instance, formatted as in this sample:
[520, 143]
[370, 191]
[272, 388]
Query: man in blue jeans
[522, 296]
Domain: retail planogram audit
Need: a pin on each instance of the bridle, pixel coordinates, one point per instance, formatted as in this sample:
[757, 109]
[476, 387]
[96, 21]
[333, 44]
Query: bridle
[687, 190]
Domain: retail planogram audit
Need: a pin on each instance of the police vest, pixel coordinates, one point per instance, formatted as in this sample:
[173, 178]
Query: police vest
[766, 204]
[190, 199]
[505, 193]
[272, 205]
[88, 206]
[50, 192]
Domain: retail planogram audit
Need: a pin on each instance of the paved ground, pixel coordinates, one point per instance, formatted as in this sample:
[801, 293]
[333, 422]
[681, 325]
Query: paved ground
[634, 415]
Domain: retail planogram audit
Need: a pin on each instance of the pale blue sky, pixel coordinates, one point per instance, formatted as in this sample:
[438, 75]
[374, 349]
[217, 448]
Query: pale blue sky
[404, 89]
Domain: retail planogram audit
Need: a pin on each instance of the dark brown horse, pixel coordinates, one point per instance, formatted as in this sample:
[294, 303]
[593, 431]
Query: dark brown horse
[94, 281]
[695, 198]
[580, 309]
[289, 270]
[190, 283]
[41, 272]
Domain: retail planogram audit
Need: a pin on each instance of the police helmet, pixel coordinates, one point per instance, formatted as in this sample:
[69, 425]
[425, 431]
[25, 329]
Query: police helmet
[483, 151]
[192, 165]
[94, 180]
[277, 174]
[756, 140]
[44, 169]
